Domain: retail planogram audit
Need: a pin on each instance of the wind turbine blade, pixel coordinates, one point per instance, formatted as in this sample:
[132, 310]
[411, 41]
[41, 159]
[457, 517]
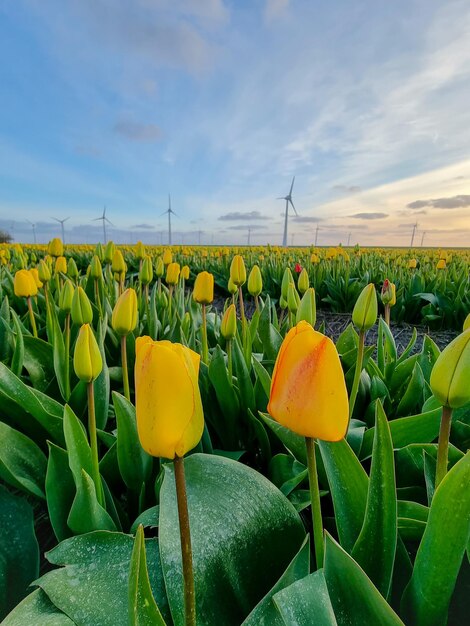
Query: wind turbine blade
[67, 218]
[109, 222]
[295, 210]
[164, 213]
[54, 218]
[281, 198]
[171, 211]
[96, 219]
[292, 186]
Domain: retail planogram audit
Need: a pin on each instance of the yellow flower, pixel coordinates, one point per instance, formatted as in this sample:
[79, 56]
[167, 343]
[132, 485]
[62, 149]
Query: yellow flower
[238, 270]
[255, 281]
[412, 264]
[24, 284]
[167, 257]
[118, 265]
[55, 247]
[228, 325]
[203, 292]
[170, 420]
[35, 274]
[388, 293]
[172, 273]
[441, 264]
[159, 267]
[231, 286]
[124, 318]
[303, 282]
[185, 272]
[139, 250]
[60, 265]
[308, 392]
[87, 361]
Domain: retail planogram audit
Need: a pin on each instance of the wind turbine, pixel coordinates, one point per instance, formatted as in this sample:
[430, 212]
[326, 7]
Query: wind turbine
[34, 230]
[288, 200]
[169, 211]
[316, 235]
[415, 226]
[422, 238]
[104, 219]
[61, 222]
[349, 239]
[249, 235]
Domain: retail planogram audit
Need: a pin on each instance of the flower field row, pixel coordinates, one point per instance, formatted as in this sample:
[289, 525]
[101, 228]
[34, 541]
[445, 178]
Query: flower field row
[163, 461]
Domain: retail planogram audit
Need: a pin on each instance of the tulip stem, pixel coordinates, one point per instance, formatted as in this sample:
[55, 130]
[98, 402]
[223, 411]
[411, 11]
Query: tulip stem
[170, 300]
[357, 372]
[97, 298]
[125, 371]
[31, 316]
[205, 348]
[67, 357]
[229, 360]
[387, 314]
[185, 536]
[242, 315]
[315, 501]
[94, 442]
[443, 445]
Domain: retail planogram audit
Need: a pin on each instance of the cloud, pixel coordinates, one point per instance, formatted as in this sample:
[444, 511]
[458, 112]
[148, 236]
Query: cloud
[238, 215]
[348, 189]
[143, 226]
[136, 131]
[246, 227]
[454, 202]
[369, 216]
[305, 219]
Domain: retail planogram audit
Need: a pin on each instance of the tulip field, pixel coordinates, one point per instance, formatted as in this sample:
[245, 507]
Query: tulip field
[182, 443]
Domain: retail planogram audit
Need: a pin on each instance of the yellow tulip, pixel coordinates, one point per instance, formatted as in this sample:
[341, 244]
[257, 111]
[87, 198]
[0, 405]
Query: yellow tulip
[124, 318]
[24, 284]
[185, 272]
[228, 325]
[412, 264]
[172, 273]
[167, 257]
[303, 282]
[203, 292]
[170, 420]
[308, 391]
[255, 281]
[450, 375]
[388, 293]
[231, 286]
[118, 265]
[55, 247]
[60, 265]
[159, 267]
[441, 264]
[87, 361]
[238, 270]
[139, 250]
[35, 274]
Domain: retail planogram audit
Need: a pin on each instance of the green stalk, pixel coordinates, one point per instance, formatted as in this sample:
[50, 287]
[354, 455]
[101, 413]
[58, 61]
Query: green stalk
[357, 372]
[387, 315]
[205, 347]
[229, 359]
[170, 299]
[315, 501]
[443, 445]
[94, 443]
[97, 298]
[186, 551]
[125, 371]
[67, 357]
[31, 316]
[242, 315]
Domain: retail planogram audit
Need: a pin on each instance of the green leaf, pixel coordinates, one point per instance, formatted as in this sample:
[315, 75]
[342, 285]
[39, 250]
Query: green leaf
[226, 397]
[77, 444]
[37, 609]
[244, 534]
[19, 551]
[270, 337]
[293, 442]
[375, 547]
[87, 514]
[92, 587]
[265, 613]
[102, 385]
[18, 354]
[354, 598]
[59, 356]
[245, 386]
[60, 490]
[22, 462]
[39, 363]
[262, 375]
[414, 395]
[143, 610]
[442, 548]
[306, 602]
[135, 464]
[349, 486]
[148, 518]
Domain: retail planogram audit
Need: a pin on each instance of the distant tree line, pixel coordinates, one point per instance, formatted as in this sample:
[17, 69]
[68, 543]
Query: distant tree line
[5, 237]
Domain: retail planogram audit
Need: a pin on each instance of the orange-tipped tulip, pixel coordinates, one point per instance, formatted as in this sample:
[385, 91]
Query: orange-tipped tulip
[308, 391]
[170, 420]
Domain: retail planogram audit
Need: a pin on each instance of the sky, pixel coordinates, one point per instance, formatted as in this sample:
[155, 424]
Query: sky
[220, 103]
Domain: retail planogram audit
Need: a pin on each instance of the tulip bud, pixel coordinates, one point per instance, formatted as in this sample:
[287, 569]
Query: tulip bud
[231, 286]
[228, 325]
[24, 284]
[118, 265]
[109, 252]
[365, 310]
[293, 298]
[60, 265]
[450, 375]
[203, 292]
[255, 281]
[388, 293]
[44, 271]
[307, 310]
[82, 313]
[238, 270]
[95, 268]
[167, 257]
[170, 419]
[55, 247]
[287, 278]
[303, 282]
[66, 296]
[139, 250]
[466, 324]
[314, 259]
[441, 264]
[124, 318]
[99, 252]
[412, 264]
[159, 267]
[308, 391]
[172, 273]
[186, 324]
[35, 274]
[146, 271]
[72, 269]
[282, 302]
[185, 272]
[87, 361]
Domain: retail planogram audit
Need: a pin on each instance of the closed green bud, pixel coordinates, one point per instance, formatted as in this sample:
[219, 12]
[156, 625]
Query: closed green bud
[82, 313]
[282, 302]
[307, 310]
[44, 272]
[124, 318]
[95, 268]
[255, 281]
[146, 271]
[228, 325]
[388, 293]
[287, 278]
[365, 310]
[450, 376]
[159, 267]
[66, 296]
[186, 324]
[99, 251]
[293, 298]
[303, 282]
[87, 361]
[238, 270]
[72, 269]
[231, 286]
[109, 252]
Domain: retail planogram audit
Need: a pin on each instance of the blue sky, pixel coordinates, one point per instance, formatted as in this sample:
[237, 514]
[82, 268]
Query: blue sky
[221, 103]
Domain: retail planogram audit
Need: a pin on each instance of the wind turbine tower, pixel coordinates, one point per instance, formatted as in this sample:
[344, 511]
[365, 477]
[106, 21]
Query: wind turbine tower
[104, 219]
[422, 238]
[170, 212]
[415, 226]
[316, 235]
[61, 222]
[288, 200]
[33, 226]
